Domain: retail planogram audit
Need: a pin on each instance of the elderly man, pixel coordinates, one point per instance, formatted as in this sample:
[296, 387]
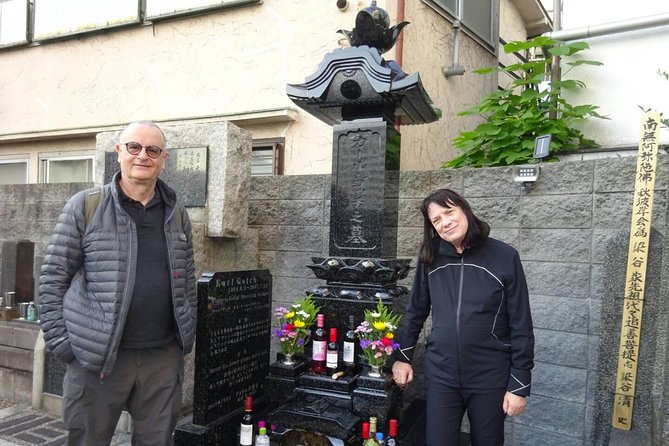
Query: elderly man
[118, 298]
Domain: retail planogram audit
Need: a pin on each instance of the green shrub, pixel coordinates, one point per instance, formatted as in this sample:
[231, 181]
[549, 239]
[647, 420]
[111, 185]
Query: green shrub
[516, 115]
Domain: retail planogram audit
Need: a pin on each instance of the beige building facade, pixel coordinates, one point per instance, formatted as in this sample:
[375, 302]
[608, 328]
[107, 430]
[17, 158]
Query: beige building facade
[76, 69]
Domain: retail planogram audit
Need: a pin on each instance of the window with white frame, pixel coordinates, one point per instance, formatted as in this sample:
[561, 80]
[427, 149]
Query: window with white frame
[478, 16]
[14, 171]
[267, 158]
[156, 9]
[74, 169]
[13, 22]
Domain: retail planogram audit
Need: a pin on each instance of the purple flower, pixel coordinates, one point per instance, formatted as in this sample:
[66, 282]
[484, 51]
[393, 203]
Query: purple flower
[300, 342]
[364, 343]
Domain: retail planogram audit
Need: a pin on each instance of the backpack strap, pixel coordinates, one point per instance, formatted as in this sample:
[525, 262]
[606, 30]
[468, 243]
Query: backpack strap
[93, 198]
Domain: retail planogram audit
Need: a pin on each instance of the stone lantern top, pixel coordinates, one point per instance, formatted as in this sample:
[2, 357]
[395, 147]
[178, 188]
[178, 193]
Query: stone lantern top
[357, 83]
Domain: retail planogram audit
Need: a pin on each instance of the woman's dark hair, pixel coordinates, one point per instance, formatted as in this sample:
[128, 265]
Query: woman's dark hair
[477, 229]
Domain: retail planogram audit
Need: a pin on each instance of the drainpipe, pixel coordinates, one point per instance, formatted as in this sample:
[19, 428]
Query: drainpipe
[455, 69]
[399, 48]
[611, 28]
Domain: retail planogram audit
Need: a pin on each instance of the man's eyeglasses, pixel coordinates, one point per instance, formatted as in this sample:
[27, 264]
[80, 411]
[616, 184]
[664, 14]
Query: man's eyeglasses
[134, 148]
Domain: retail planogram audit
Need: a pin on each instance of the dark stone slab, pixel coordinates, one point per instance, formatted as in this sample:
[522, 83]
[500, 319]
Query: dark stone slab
[54, 374]
[25, 282]
[358, 183]
[233, 341]
[278, 368]
[325, 382]
[185, 172]
[8, 273]
[376, 397]
[650, 359]
[328, 416]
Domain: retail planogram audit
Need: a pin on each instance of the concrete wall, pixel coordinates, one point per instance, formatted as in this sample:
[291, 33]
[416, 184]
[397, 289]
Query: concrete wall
[562, 228]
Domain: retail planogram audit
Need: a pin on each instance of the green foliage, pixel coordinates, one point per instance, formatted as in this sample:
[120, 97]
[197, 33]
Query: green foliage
[515, 116]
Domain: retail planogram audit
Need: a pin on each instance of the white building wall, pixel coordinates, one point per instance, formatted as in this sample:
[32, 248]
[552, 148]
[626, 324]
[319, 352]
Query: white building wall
[628, 79]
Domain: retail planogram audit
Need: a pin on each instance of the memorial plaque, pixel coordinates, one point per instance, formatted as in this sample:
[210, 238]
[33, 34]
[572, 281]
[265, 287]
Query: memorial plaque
[185, 172]
[356, 219]
[54, 374]
[233, 341]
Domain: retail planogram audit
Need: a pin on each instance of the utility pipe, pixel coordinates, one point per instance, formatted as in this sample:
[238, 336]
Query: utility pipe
[611, 28]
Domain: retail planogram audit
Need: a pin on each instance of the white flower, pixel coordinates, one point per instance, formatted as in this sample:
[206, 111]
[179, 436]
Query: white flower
[390, 327]
[303, 313]
[297, 305]
[375, 314]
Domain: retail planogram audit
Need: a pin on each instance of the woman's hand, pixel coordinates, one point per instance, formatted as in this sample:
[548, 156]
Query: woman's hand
[402, 374]
[513, 404]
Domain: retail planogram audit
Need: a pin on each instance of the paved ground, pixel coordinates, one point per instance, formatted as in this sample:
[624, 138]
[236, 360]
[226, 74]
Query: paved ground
[22, 426]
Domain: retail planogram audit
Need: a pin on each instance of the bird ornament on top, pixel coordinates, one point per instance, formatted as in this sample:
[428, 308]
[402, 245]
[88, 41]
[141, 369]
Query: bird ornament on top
[372, 28]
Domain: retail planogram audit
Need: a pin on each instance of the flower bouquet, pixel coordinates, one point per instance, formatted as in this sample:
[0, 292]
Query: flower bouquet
[293, 326]
[376, 333]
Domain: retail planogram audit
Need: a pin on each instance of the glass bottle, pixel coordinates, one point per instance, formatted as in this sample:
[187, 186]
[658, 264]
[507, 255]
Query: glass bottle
[392, 433]
[332, 360]
[319, 346]
[371, 441]
[246, 424]
[350, 341]
[379, 439]
[262, 439]
[365, 431]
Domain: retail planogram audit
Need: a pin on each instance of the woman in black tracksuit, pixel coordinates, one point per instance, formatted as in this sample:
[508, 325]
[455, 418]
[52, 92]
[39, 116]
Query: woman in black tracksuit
[481, 348]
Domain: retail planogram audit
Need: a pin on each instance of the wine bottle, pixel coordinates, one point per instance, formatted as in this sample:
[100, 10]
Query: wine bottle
[371, 441]
[332, 361]
[319, 346]
[365, 430]
[349, 347]
[262, 439]
[392, 433]
[246, 425]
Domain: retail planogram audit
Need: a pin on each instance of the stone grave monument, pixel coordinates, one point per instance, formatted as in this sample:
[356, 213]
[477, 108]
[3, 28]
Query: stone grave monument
[231, 354]
[362, 96]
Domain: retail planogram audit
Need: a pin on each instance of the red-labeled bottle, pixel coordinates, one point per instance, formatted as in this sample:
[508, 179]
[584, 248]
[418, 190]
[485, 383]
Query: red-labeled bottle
[365, 430]
[332, 358]
[319, 346]
[392, 433]
[246, 425]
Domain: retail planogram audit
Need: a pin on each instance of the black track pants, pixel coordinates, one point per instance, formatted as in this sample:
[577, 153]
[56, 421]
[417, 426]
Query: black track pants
[446, 407]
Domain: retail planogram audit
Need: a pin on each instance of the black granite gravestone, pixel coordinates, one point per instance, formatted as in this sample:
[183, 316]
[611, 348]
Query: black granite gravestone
[8, 273]
[25, 282]
[362, 96]
[54, 374]
[18, 258]
[185, 172]
[231, 353]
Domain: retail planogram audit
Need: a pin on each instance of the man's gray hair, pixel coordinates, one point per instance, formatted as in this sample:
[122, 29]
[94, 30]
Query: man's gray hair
[148, 123]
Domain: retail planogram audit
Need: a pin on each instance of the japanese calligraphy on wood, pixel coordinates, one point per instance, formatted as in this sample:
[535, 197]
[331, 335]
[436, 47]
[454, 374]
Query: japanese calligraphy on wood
[630, 330]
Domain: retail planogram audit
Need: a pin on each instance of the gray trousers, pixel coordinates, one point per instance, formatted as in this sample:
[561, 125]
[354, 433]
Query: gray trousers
[147, 382]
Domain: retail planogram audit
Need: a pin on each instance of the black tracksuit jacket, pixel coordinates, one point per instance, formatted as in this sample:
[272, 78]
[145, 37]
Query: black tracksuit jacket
[482, 335]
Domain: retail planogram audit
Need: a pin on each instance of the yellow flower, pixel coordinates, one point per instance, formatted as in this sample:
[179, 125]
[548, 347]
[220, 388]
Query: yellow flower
[379, 325]
[299, 324]
[389, 335]
[289, 315]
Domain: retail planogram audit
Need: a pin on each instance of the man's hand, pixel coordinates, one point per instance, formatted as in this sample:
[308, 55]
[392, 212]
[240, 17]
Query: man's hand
[402, 374]
[513, 404]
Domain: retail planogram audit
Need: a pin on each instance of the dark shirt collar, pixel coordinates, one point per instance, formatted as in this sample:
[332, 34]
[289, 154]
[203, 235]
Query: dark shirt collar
[124, 198]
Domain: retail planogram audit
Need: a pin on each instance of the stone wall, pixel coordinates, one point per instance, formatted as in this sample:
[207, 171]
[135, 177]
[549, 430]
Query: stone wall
[563, 228]
[566, 228]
